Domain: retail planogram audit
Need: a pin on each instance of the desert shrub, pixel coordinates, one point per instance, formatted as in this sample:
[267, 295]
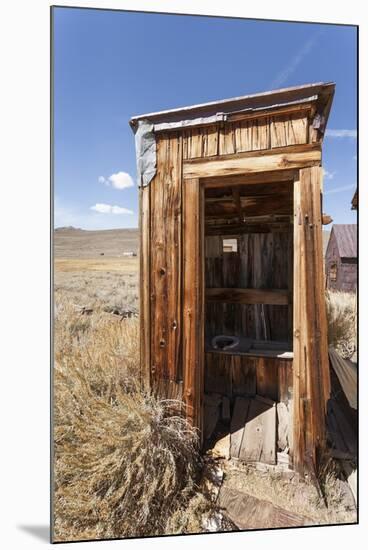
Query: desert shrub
[126, 463]
[341, 315]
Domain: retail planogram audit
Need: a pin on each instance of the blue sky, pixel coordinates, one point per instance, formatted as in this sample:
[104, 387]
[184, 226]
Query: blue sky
[110, 65]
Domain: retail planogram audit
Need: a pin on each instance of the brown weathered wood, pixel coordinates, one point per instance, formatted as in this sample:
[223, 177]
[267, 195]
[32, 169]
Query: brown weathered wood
[248, 296]
[238, 420]
[244, 229]
[243, 372]
[283, 426]
[267, 378]
[296, 156]
[326, 219]
[165, 261]
[192, 301]
[237, 200]
[311, 372]
[266, 178]
[249, 512]
[259, 437]
[300, 110]
[289, 129]
[218, 374]
[144, 297]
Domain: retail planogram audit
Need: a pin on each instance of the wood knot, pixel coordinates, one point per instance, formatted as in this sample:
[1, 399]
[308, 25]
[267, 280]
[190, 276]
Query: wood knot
[162, 271]
[174, 325]
[153, 369]
[162, 343]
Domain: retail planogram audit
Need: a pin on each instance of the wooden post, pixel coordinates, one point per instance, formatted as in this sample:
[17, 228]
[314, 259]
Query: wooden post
[193, 301]
[311, 368]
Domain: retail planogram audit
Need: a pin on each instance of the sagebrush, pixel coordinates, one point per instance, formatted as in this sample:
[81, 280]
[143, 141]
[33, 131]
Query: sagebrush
[126, 463]
[342, 321]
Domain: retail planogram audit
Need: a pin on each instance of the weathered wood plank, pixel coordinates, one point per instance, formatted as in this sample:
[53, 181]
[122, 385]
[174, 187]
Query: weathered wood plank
[248, 296]
[243, 372]
[289, 130]
[192, 302]
[311, 373]
[218, 374]
[283, 426]
[173, 207]
[249, 512]
[296, 156]
[165, 261]
[144, 296]
[267, 378]
[259, 437]
[271, 177]
[158, 268]
[238, 420]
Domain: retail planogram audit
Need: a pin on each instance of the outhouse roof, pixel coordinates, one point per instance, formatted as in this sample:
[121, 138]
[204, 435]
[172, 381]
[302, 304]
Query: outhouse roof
[346, 239]
[321, 93]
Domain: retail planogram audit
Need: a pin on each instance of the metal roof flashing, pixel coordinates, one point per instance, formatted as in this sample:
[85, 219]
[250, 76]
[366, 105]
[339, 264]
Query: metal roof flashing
[184, 116]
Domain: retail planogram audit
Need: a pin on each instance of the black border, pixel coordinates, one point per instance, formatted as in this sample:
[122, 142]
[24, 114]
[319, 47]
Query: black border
[51, 154]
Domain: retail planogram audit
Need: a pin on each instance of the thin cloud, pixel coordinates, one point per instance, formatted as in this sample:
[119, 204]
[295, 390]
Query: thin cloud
[284, 75]
[120, 180]
[110, 209]
[341, 133]
[340, 189]
[328, 175]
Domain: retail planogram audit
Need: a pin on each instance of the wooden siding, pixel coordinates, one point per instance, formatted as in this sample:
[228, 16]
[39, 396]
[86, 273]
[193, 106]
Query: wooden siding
[254, 134]
[165, 267]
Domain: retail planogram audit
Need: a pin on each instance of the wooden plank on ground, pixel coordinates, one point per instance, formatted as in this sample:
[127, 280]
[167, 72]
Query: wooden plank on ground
[248, 512]
[259, 438]
[237, 425]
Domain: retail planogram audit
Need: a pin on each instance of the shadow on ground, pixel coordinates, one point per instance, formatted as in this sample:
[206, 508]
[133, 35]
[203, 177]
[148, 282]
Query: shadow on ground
[41, 532]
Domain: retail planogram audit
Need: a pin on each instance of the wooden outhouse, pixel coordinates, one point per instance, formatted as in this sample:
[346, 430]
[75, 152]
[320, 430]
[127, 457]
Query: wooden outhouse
[341, 258]
[232, 301]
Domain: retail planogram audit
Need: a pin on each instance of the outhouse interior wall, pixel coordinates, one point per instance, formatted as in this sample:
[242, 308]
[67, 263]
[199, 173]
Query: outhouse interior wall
[262, 261]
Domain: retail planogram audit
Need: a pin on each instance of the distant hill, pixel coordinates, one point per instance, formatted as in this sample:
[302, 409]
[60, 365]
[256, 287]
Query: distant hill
[68, 228]
[72, 242]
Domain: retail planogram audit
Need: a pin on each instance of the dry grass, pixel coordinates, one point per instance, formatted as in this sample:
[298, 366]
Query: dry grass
[107, 265]
[126, 464]
[83, 285]
[341, 315]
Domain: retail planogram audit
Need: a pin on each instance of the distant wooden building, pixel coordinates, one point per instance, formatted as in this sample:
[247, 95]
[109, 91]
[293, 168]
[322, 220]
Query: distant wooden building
[341, 258]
